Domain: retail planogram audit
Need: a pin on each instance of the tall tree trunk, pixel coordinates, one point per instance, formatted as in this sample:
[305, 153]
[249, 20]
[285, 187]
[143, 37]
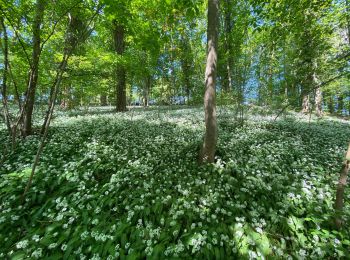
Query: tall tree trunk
[34, 69]
[318, 102]
[119, 46]
[339, 200]
[103, 100]
[348, 18]
[186, 59]
[305, 103]
[65, 98]
[318, 97]
[4, 78]
[227, 84]
[330, 104]
[340, 104]
[146, 90]
[207, 153]
[54, 86]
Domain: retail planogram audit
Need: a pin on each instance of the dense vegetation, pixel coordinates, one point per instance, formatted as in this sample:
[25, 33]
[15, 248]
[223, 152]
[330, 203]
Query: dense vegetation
[127, 184]
[106, 151]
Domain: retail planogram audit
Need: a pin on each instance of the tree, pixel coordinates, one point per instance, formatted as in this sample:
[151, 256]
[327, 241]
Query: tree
[339, 199]
[34, 68]
[207, 153]
[5, 74]
[119, 46]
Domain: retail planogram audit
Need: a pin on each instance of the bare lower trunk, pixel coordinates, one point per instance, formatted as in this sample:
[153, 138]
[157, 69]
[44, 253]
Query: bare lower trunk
[103, 100]
[330, 104]
[227, 84]
[65, 102]
[4, 78]
[306, 104]
[318, 102]
[121, 91]
[119, 46]
[339, 200]
[146, 91]
[348, 18]
[34, 70]
[207, 153]
[57, 83]
[340, 104]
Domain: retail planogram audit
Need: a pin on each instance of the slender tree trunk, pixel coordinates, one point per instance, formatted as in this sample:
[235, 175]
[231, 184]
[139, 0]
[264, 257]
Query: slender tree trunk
[119, 45]
[348, 18]
[4, 78]
[34, 70]
[207, 153]
[186, 59]
[339, 200]
[227, 84]
[318, 97]
[340, 104]
[146, 91]
[65, 98]
[103, 100]
[318, 102]
[57, 82]
[330, 104]
[17, 97]
[305, 103]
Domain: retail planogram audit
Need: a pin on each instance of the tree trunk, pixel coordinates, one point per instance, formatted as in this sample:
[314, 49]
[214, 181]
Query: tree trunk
[103, 100]
[207, 153]
[65, 103]
[4, 78]
[330, 104]
[348, 18]
[339, 199]
[340, 104]
[318, 97]
[146, 91]
[55, 85]
[227, 83]
[34, 69]
[318, 102]
[186, 60]
[305, 103]
[119, 46]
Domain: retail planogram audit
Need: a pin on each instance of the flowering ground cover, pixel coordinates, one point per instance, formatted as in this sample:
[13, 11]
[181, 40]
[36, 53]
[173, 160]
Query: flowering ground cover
[129, 186]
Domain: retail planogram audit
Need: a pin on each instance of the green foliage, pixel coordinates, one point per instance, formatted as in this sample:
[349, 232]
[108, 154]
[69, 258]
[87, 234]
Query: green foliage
[128, 185]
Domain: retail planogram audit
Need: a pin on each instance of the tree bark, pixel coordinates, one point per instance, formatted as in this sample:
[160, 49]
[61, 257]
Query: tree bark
[330, 104]
[146, 91]
[318, 102]
[34, 69]
[4, 78]
[186, 59]
[318, 97]
[103, 100]
[207, 153]
[340, 104]
[348, 18]
[66, 100]
[339, 199]
[305, 103]
[119, 46]
[227, 83]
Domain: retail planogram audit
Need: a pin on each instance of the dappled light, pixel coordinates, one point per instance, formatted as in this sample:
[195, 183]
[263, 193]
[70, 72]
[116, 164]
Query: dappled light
[173, 129]
[127, 187]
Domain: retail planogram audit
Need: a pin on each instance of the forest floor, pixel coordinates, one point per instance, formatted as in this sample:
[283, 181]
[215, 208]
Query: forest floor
[128, 184]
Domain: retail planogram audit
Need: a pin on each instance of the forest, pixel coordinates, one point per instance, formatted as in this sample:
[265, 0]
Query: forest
[174, 129]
